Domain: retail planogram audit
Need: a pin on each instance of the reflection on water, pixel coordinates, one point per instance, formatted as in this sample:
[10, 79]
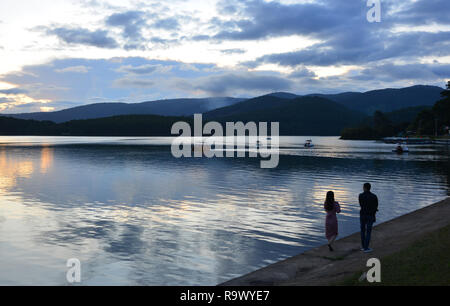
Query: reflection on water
[133, 214]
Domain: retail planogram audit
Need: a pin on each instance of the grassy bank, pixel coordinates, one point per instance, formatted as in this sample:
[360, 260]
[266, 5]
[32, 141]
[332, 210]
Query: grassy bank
[425, 262]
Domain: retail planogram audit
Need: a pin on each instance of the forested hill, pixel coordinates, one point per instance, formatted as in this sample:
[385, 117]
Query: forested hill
[127, 125]
[300, 116]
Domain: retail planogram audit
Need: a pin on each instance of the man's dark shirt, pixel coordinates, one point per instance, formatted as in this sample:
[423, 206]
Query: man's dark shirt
[369, 203]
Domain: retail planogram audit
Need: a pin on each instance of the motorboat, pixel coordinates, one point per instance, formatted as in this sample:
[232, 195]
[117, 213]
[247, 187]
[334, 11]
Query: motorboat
[400, 149]
[309, 144]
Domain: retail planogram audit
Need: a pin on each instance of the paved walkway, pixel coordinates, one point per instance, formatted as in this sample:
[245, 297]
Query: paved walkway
[319, 266]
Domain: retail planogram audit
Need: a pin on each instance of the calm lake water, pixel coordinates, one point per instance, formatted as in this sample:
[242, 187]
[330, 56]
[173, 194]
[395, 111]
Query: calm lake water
[135, 215]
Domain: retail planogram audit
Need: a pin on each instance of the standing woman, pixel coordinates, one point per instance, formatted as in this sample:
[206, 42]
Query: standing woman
[331, 223]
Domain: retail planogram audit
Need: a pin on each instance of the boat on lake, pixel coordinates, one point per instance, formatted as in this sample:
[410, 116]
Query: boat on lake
[401, 148]
[309, 144]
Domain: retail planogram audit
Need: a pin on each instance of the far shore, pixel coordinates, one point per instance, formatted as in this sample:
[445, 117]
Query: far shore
[321, 267]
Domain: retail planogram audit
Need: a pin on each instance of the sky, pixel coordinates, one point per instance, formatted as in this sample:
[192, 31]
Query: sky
[65, 53]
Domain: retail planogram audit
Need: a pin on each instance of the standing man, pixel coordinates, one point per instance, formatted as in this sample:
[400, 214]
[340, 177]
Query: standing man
[369, 207]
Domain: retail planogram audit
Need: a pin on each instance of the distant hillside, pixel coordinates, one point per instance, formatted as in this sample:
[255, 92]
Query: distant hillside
[126, 125]
[300, 116]
[315, 114]
[387, 100]
[250, 105]
[175, 107]
[284, 95]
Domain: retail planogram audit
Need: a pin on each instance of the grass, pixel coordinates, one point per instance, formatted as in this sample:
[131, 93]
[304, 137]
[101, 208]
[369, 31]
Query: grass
[426, 262]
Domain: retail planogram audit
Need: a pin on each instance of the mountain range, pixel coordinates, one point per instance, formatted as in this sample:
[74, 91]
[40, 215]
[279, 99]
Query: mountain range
[385, 100]
[315, 114]
[173, 107]
[308, 115]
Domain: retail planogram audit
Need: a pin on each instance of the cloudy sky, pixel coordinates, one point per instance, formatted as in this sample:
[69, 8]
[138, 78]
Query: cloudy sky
[59, 54]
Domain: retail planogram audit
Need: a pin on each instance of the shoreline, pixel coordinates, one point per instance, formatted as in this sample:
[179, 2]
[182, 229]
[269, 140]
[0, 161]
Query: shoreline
[321, 267]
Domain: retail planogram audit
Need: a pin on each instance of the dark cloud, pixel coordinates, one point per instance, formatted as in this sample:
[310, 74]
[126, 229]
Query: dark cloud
[133, 83]
[272, 19]
[200, 37]
[13, 91]
[345, 35]
[229, 7]
[170, 23]
[6, 100]
[302, 72]
[81, 36]
[134, 46]
[144, 69]
[340, 50]
[131, 22]
[424, 12]
[392, 72]
[220, 24]
[163, 41]
[224, 84]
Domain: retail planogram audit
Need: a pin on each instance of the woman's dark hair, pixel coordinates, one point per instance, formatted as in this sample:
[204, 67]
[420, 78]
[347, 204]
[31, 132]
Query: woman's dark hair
[329, 202]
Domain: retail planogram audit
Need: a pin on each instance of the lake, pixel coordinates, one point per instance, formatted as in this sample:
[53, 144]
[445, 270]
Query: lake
[135, 215]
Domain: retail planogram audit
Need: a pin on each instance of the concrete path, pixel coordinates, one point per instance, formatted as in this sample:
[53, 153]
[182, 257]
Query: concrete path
[319, 266]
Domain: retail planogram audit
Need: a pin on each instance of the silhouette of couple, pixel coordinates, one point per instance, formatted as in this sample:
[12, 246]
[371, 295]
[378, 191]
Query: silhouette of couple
[369, 207]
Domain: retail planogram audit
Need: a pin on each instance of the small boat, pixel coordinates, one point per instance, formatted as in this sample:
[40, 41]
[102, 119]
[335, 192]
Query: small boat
[309, 144]
[400, 149]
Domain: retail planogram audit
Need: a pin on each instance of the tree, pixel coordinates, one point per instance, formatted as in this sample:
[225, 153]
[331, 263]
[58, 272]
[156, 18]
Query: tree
[441, 109]
[446, 92]
[382, 125]
[424, 123]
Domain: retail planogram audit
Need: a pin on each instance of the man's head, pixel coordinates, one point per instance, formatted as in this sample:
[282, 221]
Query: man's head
[367, 187]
